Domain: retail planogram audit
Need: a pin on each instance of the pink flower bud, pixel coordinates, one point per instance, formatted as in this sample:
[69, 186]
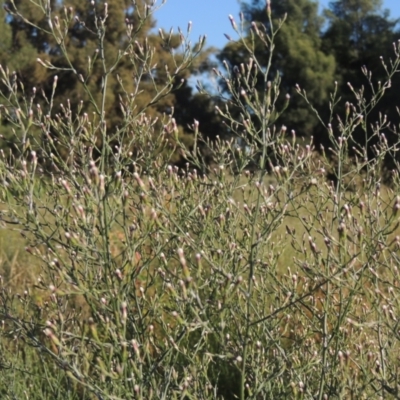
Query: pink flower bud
[233, 23]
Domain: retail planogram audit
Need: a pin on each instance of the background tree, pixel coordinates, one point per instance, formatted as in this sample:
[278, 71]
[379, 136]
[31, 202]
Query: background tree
[82, 72]
[19, 51]
[360, 34]
[299, 57]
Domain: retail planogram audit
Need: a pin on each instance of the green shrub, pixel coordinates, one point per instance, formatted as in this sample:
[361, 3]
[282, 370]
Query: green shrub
[251, 277]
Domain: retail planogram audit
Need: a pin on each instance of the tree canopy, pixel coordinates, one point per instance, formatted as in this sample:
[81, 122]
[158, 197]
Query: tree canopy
[298, 57]
[320, 53]
[360, 35]
[28, 46]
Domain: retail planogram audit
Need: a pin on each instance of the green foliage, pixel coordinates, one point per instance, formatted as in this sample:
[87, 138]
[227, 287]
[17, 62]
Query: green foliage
[313, 51]
[298, 56]
[44, 34]
[210, 281]
[361, 34]
[5, 45]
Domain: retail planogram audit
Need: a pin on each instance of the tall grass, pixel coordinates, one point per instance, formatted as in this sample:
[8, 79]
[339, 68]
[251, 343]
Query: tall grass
[249, 277]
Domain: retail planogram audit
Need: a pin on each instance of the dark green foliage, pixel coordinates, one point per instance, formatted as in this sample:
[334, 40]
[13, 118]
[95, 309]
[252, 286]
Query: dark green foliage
[322, 54]
[298, 59]
[361, 34]
[80, 76]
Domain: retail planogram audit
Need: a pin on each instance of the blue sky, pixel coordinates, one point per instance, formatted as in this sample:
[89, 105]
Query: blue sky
[210, 17]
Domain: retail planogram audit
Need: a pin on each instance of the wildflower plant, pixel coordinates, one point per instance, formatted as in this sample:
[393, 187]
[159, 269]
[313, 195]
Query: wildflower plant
[249, 277]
